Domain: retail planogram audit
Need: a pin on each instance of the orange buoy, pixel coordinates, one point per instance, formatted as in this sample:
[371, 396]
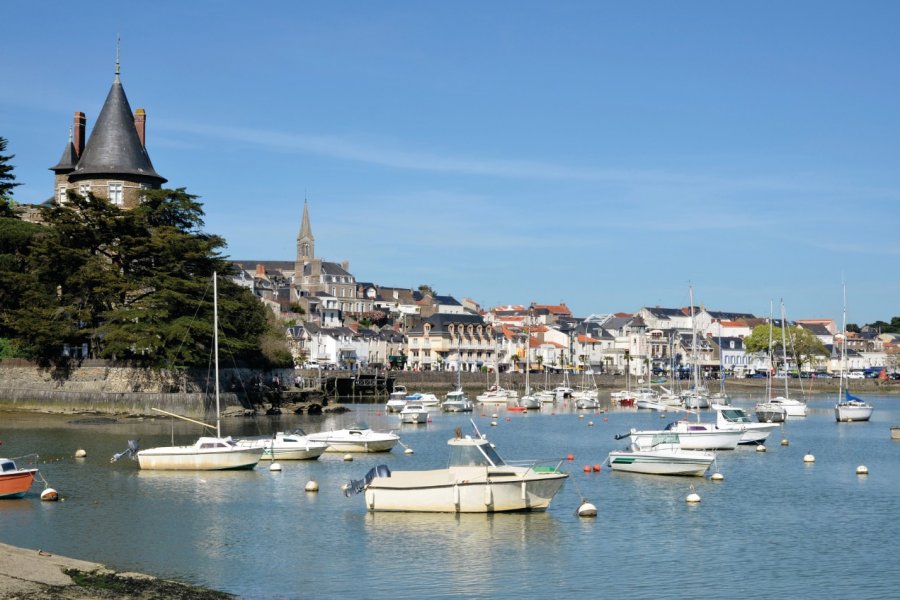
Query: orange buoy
[596, 468]
[587, 468]
[570, 457]
[605, 419]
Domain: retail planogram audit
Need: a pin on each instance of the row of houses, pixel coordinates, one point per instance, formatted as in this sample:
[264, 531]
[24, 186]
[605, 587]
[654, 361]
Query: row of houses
[542, 337]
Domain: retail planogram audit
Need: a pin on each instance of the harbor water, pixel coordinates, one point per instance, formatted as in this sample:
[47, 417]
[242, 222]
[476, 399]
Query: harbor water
[774, 527]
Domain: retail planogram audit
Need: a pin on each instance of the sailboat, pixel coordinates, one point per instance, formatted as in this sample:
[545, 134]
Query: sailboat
[792, 407]
[697, 396]
[767, 411]
[496, 394]
[849, 407]
[207, 453]
[528, 400]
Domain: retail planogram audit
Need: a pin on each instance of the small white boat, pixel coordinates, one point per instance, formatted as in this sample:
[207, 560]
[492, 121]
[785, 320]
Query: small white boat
[295, 445]
[356, 438]
[895, 432]
[477, 480]
[429, 401]
[586, 400]
[769, 412]
[456, 401]
[206, 454]
[414, 414]
[530, 401]
[792, 407]
[693, 435]
[696, 398]
[852, 409]
[397, 399]
[730, 418]
[662, 455]
[496, 395]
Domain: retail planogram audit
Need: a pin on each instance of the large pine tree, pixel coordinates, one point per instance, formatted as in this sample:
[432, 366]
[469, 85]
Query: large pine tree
[7, 180]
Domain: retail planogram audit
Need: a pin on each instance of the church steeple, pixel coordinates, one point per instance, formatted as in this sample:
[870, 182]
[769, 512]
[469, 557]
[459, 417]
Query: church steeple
[306, 242]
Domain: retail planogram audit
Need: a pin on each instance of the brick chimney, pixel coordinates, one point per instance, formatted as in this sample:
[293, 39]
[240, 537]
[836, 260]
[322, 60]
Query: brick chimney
[78, 133]
[140, 123]
[261, 271]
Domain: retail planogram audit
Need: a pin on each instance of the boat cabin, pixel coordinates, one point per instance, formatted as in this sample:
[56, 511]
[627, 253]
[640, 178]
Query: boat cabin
[469, 452]
[7, 465]
[735, 415]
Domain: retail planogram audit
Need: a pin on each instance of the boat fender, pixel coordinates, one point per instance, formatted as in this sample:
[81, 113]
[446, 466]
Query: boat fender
[488, 494]
[524, 490]
[456, 495]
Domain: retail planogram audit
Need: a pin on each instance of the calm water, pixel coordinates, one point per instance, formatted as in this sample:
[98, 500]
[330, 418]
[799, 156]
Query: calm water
[775, 526]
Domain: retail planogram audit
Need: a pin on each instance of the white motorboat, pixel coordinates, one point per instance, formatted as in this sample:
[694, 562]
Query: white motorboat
[530, 401]
[207, 453]
[429, 401]
[792, 407]
[586, 399]
[695, 398]
[895, 432]
[414, 413]
[693, 435]
[732, 418]
[397, 399]
[356, 438]
[648, 399]
[661, 455]
[295, 445]
[496, 395]
[477, 480]
[456, 401]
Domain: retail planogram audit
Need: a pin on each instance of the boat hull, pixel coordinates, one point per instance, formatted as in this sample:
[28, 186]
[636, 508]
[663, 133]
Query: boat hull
[665, 462]
[15, 484]
[449, 492]
[852, 412]
[414, 417]
[770, 415]
[895, 433]
[188, 459]
[692, 440]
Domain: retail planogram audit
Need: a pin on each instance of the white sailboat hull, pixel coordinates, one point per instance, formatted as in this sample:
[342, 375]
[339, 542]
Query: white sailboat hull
[189, 458]
[852, 411]
[464, 490]
[709, 439]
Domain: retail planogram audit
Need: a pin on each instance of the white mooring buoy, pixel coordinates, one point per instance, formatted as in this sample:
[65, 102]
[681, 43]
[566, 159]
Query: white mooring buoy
[275, 466]
[784, 442]
[809, 458]
[862, 470]
[760, 447]
[408, 450]
[493, 423]
[348, 457]
[587, 509]
[717, 476]
[80, 453]
[50, 495]
[312, 486]
[693, 497]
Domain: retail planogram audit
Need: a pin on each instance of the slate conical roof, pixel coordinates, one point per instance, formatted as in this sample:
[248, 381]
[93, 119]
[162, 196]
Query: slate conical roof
[68, 161]
[114, 147]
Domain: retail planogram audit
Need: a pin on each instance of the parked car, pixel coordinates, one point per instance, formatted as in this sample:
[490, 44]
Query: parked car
[856, 375]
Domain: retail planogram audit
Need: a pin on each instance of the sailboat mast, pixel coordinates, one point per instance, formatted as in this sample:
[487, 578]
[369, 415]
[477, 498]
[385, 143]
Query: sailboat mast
[216, 351]
[784, 349]
[843, 347]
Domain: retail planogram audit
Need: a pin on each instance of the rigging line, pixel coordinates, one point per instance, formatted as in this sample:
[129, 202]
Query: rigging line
[193, 318]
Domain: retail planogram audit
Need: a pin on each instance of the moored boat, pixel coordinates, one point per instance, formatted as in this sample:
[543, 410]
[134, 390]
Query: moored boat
[295, 445]
[895, 432]
[456, 401]
[477, 480]
[14, 482]
[356, 438]
[661, 455]
[769, 412]
[731, 418]
[692, 436]
[414, 414]
[396, 399]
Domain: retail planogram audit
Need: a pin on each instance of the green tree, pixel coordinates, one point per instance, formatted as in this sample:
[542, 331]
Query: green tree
[802, 346]
[134, 285]
[7, 181]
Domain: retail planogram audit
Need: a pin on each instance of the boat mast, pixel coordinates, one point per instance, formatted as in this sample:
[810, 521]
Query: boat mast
[216, 350]
[784, 350]
[843, 348]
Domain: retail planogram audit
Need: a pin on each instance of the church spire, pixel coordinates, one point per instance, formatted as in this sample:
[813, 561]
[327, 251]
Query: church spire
[306, 241]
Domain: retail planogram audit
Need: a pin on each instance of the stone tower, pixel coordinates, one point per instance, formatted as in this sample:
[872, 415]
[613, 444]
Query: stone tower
[306, 242]
[114, 163]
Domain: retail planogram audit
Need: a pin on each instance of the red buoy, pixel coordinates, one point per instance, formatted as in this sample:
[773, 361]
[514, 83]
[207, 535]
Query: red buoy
[587, 468]
[570, 457]
[597, 468]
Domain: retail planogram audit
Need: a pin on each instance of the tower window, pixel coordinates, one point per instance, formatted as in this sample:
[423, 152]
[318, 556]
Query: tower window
[84, 189]
[116, 193]
[61, 194]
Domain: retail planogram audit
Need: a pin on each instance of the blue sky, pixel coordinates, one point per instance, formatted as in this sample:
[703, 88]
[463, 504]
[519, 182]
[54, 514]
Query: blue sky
[604, 154]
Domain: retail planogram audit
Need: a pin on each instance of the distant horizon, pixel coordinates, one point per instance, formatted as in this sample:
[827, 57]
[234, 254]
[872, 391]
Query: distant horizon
[602, 154]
